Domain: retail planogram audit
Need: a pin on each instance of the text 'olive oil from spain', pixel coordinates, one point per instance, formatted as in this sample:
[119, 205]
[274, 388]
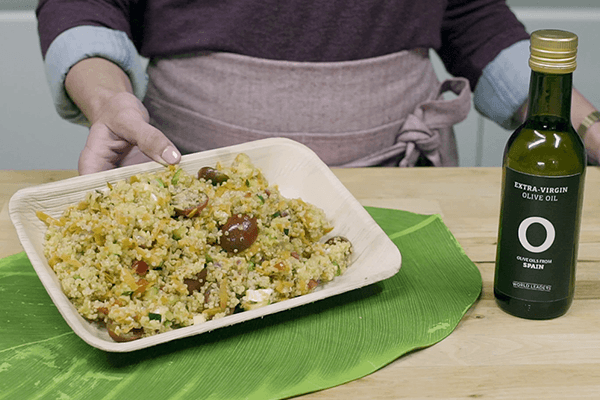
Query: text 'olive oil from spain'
[542, 189]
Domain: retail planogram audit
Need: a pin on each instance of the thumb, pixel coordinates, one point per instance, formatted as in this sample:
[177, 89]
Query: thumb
[136, 130]
[155, 145]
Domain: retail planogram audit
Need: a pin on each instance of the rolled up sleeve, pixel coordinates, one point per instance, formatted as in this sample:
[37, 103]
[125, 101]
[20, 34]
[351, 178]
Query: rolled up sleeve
[79, 43]
[504, 85]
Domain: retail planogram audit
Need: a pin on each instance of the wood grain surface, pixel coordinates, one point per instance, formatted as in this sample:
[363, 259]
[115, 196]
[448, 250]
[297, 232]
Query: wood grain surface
[491, 355]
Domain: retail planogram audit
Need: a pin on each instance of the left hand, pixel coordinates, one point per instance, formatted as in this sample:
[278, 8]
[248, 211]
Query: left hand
[581, 108]
[592, 143]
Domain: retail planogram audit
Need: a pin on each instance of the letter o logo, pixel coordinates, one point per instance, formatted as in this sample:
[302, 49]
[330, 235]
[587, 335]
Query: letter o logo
[550, 234]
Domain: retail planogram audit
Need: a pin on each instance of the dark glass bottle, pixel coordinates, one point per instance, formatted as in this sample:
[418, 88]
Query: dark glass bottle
[542, 190]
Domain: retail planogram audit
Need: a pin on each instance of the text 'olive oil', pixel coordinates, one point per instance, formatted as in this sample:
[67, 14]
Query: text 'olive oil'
[542, 189]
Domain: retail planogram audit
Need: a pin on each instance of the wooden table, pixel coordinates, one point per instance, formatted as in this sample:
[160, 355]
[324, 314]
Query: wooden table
[491, 355]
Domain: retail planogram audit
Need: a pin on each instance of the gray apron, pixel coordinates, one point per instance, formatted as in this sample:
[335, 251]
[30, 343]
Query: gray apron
[383, 111]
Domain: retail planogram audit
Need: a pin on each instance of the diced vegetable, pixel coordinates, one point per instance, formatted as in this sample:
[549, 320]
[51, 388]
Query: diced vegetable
[154, 317]
[175, 178]
[45, 218]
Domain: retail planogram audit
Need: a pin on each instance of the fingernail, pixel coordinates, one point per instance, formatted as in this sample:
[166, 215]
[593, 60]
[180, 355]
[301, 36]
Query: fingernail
[171, 155]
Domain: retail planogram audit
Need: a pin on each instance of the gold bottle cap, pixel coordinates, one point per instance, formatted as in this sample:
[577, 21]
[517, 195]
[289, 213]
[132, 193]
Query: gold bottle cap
[553, 51]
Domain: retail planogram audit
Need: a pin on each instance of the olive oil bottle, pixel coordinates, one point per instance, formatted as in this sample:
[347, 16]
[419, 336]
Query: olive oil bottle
[542, 189]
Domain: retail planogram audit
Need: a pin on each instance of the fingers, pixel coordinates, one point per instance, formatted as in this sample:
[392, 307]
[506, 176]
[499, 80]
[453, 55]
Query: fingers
[152, 142]
[592, 144]
[123, 126]
[103, 150]
[134, 156]
[127, 118]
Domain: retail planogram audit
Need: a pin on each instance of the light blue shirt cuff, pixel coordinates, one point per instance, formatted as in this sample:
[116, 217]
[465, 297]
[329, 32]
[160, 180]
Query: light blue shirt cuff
[76, 44]
[504, 85]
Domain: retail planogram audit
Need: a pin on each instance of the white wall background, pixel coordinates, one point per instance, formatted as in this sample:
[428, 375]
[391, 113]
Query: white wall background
[32, 136]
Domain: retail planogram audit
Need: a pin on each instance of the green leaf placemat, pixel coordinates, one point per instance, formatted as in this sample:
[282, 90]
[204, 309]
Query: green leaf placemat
[305, 349]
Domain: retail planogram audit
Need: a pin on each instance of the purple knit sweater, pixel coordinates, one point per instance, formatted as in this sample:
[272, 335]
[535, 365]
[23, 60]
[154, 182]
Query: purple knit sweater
[467, 34]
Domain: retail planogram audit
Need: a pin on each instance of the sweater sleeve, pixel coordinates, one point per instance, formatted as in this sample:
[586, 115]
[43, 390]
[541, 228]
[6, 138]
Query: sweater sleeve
[57, 16]
[86, 29]
[474, 32]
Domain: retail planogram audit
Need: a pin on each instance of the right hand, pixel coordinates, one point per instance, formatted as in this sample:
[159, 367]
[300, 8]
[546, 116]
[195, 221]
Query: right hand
[120, 132]
[121, 135]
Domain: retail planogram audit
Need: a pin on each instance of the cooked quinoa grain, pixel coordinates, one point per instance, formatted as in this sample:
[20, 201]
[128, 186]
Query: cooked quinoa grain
[164, 250]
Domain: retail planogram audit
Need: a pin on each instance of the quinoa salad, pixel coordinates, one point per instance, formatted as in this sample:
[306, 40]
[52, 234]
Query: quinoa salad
[169, 249]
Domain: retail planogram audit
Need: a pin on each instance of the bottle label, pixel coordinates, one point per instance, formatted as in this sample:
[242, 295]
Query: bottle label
[537, 237]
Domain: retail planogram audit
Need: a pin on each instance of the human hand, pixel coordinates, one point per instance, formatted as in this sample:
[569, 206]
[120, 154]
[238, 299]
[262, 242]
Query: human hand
[121, 135]
[592, 143]
[580, 109]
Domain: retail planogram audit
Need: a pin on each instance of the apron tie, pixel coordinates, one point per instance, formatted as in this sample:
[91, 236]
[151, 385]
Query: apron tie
[419, 134]
[417, 138]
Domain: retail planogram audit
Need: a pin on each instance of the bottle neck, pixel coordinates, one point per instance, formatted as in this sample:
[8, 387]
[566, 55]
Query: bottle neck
[550, 95]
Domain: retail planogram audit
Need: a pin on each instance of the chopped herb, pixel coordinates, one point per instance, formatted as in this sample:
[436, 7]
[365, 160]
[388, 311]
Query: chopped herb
[154, 317]
[178, 233]
[277, 214]
[160, 182]
[247, 183]
[251, 266]
[175, 178]
[338, 271]
[262, 199]
[127, 293]
[208, 258]
[152, 291]
[286, 231]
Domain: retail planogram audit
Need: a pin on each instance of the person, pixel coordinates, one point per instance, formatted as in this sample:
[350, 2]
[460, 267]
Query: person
[350, 79]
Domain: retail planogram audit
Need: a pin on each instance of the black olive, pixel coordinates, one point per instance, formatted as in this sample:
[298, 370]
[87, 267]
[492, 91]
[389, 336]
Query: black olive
[336, 239]
[189, 203]
[240, 231]
[210, 174]
[134, 334]
[194, 285]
